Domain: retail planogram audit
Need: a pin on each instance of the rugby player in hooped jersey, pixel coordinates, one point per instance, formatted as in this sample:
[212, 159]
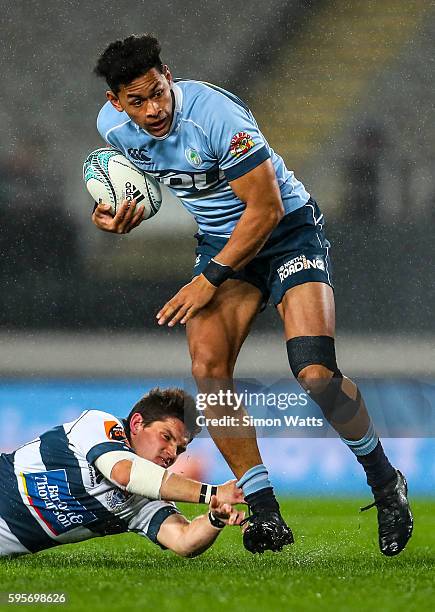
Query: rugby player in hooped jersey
[260, 235]
[100, 476]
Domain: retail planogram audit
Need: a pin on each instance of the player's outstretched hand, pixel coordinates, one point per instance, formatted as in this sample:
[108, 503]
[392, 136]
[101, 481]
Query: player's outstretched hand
[225, 512]
[127, 217]
[187, 302]
[229, 493]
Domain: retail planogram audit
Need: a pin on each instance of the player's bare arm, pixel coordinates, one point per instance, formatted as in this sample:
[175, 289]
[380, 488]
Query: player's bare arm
[171, 487]
[264, 210]
[127, 217]
[178, 488]
[191, 538]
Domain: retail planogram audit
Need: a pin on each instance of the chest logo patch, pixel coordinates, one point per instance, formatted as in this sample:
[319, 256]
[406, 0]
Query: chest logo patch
[193, 157]
[139, 155]
[240, 144]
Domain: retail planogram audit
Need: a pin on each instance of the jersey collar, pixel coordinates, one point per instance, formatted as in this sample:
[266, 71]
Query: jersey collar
[178, 104]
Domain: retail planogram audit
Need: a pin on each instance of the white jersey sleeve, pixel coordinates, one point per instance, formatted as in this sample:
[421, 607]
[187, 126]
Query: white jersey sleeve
[148, 520]
[96, 432]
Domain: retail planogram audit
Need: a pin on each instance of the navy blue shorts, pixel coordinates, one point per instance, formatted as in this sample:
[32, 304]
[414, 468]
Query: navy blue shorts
[296, 252]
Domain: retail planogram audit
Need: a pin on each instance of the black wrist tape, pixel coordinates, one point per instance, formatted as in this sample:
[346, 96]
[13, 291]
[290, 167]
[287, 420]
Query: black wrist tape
[217, 273]
[216, 522]
[203, 493]
[206, 492]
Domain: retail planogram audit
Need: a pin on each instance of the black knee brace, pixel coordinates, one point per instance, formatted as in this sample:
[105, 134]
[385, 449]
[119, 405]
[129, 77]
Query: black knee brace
[304, 351]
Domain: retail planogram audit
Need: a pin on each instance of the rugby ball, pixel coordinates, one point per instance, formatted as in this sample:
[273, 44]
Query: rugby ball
[111, 178]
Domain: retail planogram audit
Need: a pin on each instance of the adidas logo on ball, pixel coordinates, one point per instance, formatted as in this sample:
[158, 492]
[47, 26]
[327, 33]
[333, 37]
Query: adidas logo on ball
[111, 178]
[132, 192]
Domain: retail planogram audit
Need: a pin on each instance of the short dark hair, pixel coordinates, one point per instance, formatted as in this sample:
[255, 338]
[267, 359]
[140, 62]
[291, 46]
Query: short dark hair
[162, 404]
[126, 60]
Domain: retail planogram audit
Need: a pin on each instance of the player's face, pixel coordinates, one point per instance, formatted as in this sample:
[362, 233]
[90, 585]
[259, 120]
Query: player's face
[147, 101]
[160, 442]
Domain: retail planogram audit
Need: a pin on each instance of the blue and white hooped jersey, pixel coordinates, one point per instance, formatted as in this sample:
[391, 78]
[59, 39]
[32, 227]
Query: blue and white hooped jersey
[51, 493]
[213, 140]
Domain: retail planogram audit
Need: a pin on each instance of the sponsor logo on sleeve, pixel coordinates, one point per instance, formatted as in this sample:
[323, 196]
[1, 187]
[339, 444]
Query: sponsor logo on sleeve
[49, 496]
[115, 498]
[115, 431]
[92, 475]
[299, 263]
[240, 144]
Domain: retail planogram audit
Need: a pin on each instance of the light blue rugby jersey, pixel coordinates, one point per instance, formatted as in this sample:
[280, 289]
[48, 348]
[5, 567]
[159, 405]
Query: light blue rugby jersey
[213, 139]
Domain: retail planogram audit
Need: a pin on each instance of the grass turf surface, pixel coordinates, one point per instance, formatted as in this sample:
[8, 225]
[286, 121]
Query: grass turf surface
[334, 565]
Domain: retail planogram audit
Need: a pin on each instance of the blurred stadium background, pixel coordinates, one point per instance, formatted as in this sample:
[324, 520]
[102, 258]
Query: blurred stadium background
[342, 89]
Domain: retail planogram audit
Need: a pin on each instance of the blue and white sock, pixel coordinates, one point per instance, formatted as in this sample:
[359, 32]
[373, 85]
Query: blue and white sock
[257, 489]
[371, 456]
[255, 479]
[367, 443]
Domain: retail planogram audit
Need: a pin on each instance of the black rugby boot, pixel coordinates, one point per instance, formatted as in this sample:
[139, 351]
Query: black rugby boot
[395, 520]
[266, 530]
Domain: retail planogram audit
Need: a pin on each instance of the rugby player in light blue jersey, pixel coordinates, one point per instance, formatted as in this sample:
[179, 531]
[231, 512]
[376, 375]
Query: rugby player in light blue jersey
[260, 236]
[100, 476]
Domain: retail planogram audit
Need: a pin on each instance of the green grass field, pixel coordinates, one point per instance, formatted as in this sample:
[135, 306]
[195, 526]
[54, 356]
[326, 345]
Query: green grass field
[334, 565]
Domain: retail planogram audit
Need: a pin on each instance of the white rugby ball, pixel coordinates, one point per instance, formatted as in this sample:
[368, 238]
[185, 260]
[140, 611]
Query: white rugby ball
[111, 178]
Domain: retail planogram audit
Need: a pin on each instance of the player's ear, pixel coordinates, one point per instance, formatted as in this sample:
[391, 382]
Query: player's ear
[114, 100]
[167, 74]
[135, 422]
